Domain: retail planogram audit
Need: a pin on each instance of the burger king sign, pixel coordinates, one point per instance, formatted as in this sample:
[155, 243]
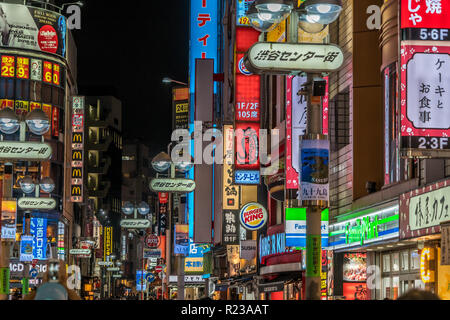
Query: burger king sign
[253, 216]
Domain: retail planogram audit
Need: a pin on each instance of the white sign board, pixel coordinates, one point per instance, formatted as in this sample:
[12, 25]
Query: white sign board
[428, 91]
[135, 224]
[281, 58]
[36, 203]
[12, 150]
[172, 185]
[429, 209]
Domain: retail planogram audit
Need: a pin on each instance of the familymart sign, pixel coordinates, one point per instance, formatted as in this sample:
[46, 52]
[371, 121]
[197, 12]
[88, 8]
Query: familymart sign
[364, 227]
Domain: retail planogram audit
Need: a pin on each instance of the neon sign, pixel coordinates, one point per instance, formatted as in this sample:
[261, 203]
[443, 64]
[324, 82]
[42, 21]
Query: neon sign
[426, 257]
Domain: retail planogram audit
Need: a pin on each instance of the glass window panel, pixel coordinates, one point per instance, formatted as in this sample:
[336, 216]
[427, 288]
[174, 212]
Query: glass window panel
[395, 261]
[415, 260]
[386, 288]
[395, 287]
[386, 263]
[404, 263]
[22, 89]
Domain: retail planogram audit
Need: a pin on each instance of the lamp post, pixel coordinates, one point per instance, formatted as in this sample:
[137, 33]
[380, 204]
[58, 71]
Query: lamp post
[162, 163]
[311, 16]
[167, 80]
[38, 123]
[143, 208]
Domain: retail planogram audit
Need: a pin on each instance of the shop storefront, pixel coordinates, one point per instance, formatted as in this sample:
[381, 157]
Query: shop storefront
[281, 267]
[367, 251]
[194, 286]
[422, 214]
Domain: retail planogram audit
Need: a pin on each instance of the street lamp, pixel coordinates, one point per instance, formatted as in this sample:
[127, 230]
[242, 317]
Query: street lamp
[27, 185]
[9, 123]
[311, 16]
[38, 122]
[167, 80]
[162, 162]
[47, 185]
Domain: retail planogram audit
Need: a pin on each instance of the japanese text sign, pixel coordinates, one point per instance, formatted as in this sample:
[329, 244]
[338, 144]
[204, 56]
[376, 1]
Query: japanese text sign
[172, 185]
[38, 229]
[425, 96]
[230, 225]
[203, 34]
[11, 150]
[285, 58]
[425, 14]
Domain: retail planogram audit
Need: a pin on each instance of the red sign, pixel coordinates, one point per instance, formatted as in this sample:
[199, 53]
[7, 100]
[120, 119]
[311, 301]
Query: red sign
[159, 269]
[8, 69]
[247, 146]
[152, 241]
[356, 291]
[48, 39]
[163, 197]
[55, 122]
[425, 14]
[48, 72]
[56, 74]
[23, 68]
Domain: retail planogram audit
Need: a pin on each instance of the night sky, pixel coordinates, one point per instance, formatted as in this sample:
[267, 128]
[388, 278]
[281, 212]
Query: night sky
[125, 49]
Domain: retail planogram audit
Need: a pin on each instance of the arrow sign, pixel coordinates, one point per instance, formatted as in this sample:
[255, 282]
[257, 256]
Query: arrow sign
[288, 58]
[150, 277]
[33, 273]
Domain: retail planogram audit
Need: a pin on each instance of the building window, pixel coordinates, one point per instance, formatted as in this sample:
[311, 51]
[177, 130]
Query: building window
[339, 125]
[386, 263]
[415, 260]
[404, 263]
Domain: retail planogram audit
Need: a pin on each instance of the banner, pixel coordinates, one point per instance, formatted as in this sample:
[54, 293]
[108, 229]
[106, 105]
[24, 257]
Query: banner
[8, 219]
[78, 119]
[181, 239]
[33, 29]
[38, 229]
[230, 227]
[315, 156]
[26, 249]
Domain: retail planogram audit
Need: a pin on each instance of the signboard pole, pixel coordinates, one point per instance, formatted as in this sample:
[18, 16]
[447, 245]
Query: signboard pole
[313, 208]
[6, 244]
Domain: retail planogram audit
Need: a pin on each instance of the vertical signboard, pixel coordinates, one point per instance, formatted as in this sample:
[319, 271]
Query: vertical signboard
[425, 15]
[241, 12]
[180, 113]
[38, 229]
[8, 219]
[61, 244]
[107, 242]
[230, 191]
[230, 227]
[203, 34]
[4, 280]
[181, 239]
[26, 249]
[247, 112]
[78, 119]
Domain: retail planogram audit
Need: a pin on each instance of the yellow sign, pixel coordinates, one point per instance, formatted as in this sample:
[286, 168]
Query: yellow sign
[230, 190]
[426, 273]
[107, 242]
[443, 280]
[278, 34]
[313, 37]
[193, 265]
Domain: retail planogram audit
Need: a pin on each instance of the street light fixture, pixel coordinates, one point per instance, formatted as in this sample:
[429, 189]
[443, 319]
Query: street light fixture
[258, 21]
[9, 123]
[321, 11]
[272, 12]
[167, 80]
[38, 122]
[47, 185]
[162, 162]
[128, 208]
[27, 185]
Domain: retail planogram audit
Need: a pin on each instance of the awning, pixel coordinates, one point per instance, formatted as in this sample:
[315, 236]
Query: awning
[278, 268]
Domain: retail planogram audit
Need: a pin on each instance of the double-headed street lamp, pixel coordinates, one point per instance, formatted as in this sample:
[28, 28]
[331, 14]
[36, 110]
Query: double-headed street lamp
[312, 16]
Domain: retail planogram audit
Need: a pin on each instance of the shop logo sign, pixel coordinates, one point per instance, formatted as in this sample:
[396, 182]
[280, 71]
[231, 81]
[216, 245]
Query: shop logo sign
[253, 216]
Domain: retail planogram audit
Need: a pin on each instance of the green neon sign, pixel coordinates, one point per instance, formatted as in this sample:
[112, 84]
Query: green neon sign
[365, 229]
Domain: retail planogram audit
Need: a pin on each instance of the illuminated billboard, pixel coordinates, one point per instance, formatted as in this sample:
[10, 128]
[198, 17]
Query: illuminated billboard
[32, 28]
[425, 119]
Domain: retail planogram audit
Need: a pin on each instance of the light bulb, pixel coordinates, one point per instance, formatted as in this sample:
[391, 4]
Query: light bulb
[265, 16]
[324, 8]
[274, 7]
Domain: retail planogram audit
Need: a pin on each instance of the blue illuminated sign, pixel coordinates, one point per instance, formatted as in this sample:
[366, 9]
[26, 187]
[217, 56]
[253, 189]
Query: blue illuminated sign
[271, 246]
[241, 12]
[247, 177]
[141, 284]
[38, 229]
[204, 34]
[26, 249]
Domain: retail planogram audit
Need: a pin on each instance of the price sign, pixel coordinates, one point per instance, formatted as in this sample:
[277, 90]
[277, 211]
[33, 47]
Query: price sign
[48, 72]
[23, 68]
[8, 69]
[56, 74]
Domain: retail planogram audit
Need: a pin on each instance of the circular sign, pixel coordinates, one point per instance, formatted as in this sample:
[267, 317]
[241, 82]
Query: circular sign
[243, 69]
[150, 277]
[33, 273]
[158, 269]
[48, 39]
[253, 216]
[152, 241]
